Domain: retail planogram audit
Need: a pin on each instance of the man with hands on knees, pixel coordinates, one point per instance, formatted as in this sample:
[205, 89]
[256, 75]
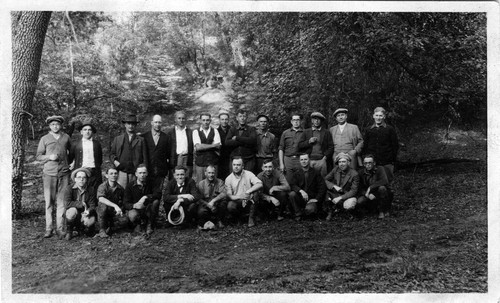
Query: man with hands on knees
[275, 189]
[110, 202]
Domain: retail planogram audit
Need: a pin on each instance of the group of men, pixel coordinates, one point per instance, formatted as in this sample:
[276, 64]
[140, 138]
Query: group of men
[215, 176]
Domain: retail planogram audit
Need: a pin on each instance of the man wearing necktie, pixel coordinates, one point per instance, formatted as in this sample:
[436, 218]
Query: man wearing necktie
[213, 204]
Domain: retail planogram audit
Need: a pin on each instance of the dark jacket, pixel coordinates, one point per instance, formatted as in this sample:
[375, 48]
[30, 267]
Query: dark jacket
[158, 155]
[134, 192]
[244, 145]
[382, 142]
[325, 139]
[139, 151]
[173, 147]
[372, 179]
[349, 185]
[171, 191]
[224, 150]
[315, 186]
[72, 198]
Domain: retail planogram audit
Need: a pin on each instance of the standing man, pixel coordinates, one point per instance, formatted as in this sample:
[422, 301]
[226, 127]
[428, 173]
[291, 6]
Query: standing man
[275, 188]
[308, 190]
[346, 137]
[110, 202]
[373, 187]
[87, 153]
[242, 191]
[288, 150]
[242, 139]
[213, 195]
[317, 143]
[128, 151]
[206, 141]
[381, 141]
[266, 142]
[224, 158]
[142, 202]
[181, 144]
[53, 151]
[342, 183]
[158, 149]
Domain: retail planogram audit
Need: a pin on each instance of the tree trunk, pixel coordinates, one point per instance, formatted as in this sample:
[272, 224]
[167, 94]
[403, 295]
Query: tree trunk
[28, 35]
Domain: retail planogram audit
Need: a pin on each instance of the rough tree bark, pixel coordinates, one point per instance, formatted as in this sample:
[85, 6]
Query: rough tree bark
[28, 35]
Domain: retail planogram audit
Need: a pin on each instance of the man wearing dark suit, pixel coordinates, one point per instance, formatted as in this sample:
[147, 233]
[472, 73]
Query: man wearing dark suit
[128, 151]
[242, 139]
[308, 189]
[181, 144]
[346, 138]
[224, 158]
[158, 149]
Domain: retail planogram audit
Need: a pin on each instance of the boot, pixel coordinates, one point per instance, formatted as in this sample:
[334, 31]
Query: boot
[329, 216]
[251, 215]
[69, 232]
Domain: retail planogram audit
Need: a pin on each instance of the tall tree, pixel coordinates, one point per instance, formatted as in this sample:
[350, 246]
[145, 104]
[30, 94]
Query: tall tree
[28, 33]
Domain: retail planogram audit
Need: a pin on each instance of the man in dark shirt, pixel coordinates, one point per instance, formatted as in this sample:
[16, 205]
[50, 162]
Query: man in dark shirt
[158, 148]
[275, 189]
[266, 143]
[110, 202]
[373, 187]
[288, 150]
[142, 202]
[224, 158]
[242, 139]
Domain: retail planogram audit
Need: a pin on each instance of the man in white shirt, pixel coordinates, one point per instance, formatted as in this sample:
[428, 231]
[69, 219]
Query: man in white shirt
[181, 143]
[206, 141]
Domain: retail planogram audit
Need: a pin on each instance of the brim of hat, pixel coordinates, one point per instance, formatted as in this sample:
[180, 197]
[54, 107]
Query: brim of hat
[134, 122]
[52, 120]
[93, 128]
[73, 174]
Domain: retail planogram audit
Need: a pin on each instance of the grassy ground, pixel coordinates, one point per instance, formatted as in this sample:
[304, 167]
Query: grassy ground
[435, 241]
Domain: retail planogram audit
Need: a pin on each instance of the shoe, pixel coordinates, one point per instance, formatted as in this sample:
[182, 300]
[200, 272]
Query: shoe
[149, 230]
[60, 234]
[281, 218]
[220, 225]
[329, 216]
[102, 234]
[387, 214]
[380, 215]
[138, 229]
[251, 223]
[48, 233]
[69, 236]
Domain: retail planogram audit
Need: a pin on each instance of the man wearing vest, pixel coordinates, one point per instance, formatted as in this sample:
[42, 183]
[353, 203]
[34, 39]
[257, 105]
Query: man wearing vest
[206, 141]
[346, 138]
[158, 152]
[181, 145]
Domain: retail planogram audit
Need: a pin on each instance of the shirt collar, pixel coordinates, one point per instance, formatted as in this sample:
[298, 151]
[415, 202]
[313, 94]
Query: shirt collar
[87, 140]
[316, 128]
[383, 124]
[155, 133]
[205, 130]
[244, 127]
[180, 185]
[177, 127]
[298, 130]
[264, 134]
[76, 187]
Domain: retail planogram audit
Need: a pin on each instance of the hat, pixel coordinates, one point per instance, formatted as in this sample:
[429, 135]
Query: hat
[130, 119]
[89, 123]
[83, 169]
[340, 110]
[318, 115]
[223, 112]
[208, 226]
[176, 216]
[54, 118]
[262, 115]
[342, 156]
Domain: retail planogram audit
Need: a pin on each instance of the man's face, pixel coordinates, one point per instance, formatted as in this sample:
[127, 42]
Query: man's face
[316, 122]
[268, 168]
[304, 161]
[378, 117]
[205, 121]
[156, 123]
[179, 176]
[141, 173]
[224, 120]
[112, 175]
[341, 118]
[241, 118]
[81, 179]
[343, 164]
[86, 132]
[369, 163]
[55, 126]
[180, 119]
[237, 166]
[263, 123]
[130, 127]
[295, 121]
[210, 173]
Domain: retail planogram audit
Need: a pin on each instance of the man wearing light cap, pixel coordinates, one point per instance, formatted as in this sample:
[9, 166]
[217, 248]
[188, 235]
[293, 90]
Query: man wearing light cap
[342, 183]
[53, 151]
[346, 137]
[317, 143]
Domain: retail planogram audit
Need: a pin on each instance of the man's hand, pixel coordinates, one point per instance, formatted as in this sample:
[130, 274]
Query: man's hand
[234, 138]
[275, 201]
[312, 201]
[273, 189]
[177, 204]
[116, 163]
[371, 197]
[313, 140]
[282, 168]
[186, 196]
[337, 188]
[304, 195]
[211, 205]
[53, 157]
[118, 211]
[336, 200]
[72, 165]
[139, 204]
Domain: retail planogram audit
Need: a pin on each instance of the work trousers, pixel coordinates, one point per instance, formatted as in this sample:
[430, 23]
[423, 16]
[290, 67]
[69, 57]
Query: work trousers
[125, 178]
[382, 201]
[319, 166]
[300, 206]
[53, 187]
[146, 216]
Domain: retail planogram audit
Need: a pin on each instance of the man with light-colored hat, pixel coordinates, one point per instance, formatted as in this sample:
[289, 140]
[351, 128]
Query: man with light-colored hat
[317, 143]
[80, 203]
[53, 151]
[128, 151]
[342, 184]
[346, 138]
[87, 153]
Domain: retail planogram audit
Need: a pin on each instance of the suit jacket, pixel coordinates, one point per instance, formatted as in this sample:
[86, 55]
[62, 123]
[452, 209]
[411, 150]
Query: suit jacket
[173, 147]
[76, 153]
[315, 186]
[158, 154]
[171, 191]
[353, 133]
[139, 151]
[349, 185]
[325, 138]
[224, 151]
[244, 145]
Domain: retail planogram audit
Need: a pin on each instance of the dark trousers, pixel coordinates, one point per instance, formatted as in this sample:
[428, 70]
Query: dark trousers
[144, 216]
[95, 177]
[236, 209]
[265, 207]
[382, 202]
[206, 214]
[190, 211]
[105, 215]
[300, 207]
[225, 168]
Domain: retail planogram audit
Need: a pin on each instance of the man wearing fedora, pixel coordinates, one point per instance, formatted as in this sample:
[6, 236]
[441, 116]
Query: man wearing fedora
[128, 151]
[266, 143]
[87, 153]
[317, 143]
[158, 148]
[346, 138]
[79, 202]
[53, 151]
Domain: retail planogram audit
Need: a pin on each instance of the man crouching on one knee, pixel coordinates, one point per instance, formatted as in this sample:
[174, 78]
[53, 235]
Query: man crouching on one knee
[80, 202]
[342, 183]
[373, 187]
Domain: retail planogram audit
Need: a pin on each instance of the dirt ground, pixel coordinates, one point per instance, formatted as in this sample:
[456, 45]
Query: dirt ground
[434, 241]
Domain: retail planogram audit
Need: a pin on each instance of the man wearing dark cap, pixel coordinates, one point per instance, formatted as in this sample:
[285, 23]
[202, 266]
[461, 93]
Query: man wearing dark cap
[53, 151]
[266, 142]
[346, 138]
[87, 153]
[317, 143]
[224, 158]
[158, 147]
[242, 139]
[128, 151]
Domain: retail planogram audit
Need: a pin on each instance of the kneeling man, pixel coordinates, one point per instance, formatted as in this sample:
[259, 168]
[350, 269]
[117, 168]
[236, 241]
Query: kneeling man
[373, 187]
[213, 205]
[110, 201]
[275, 188]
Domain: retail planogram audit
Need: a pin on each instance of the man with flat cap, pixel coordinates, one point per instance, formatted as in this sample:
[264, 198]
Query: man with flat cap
[317, 143]
[266, 142]
[158, 147]
[87, 153]
[346, 138]
[53, 151]
[128, 151]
